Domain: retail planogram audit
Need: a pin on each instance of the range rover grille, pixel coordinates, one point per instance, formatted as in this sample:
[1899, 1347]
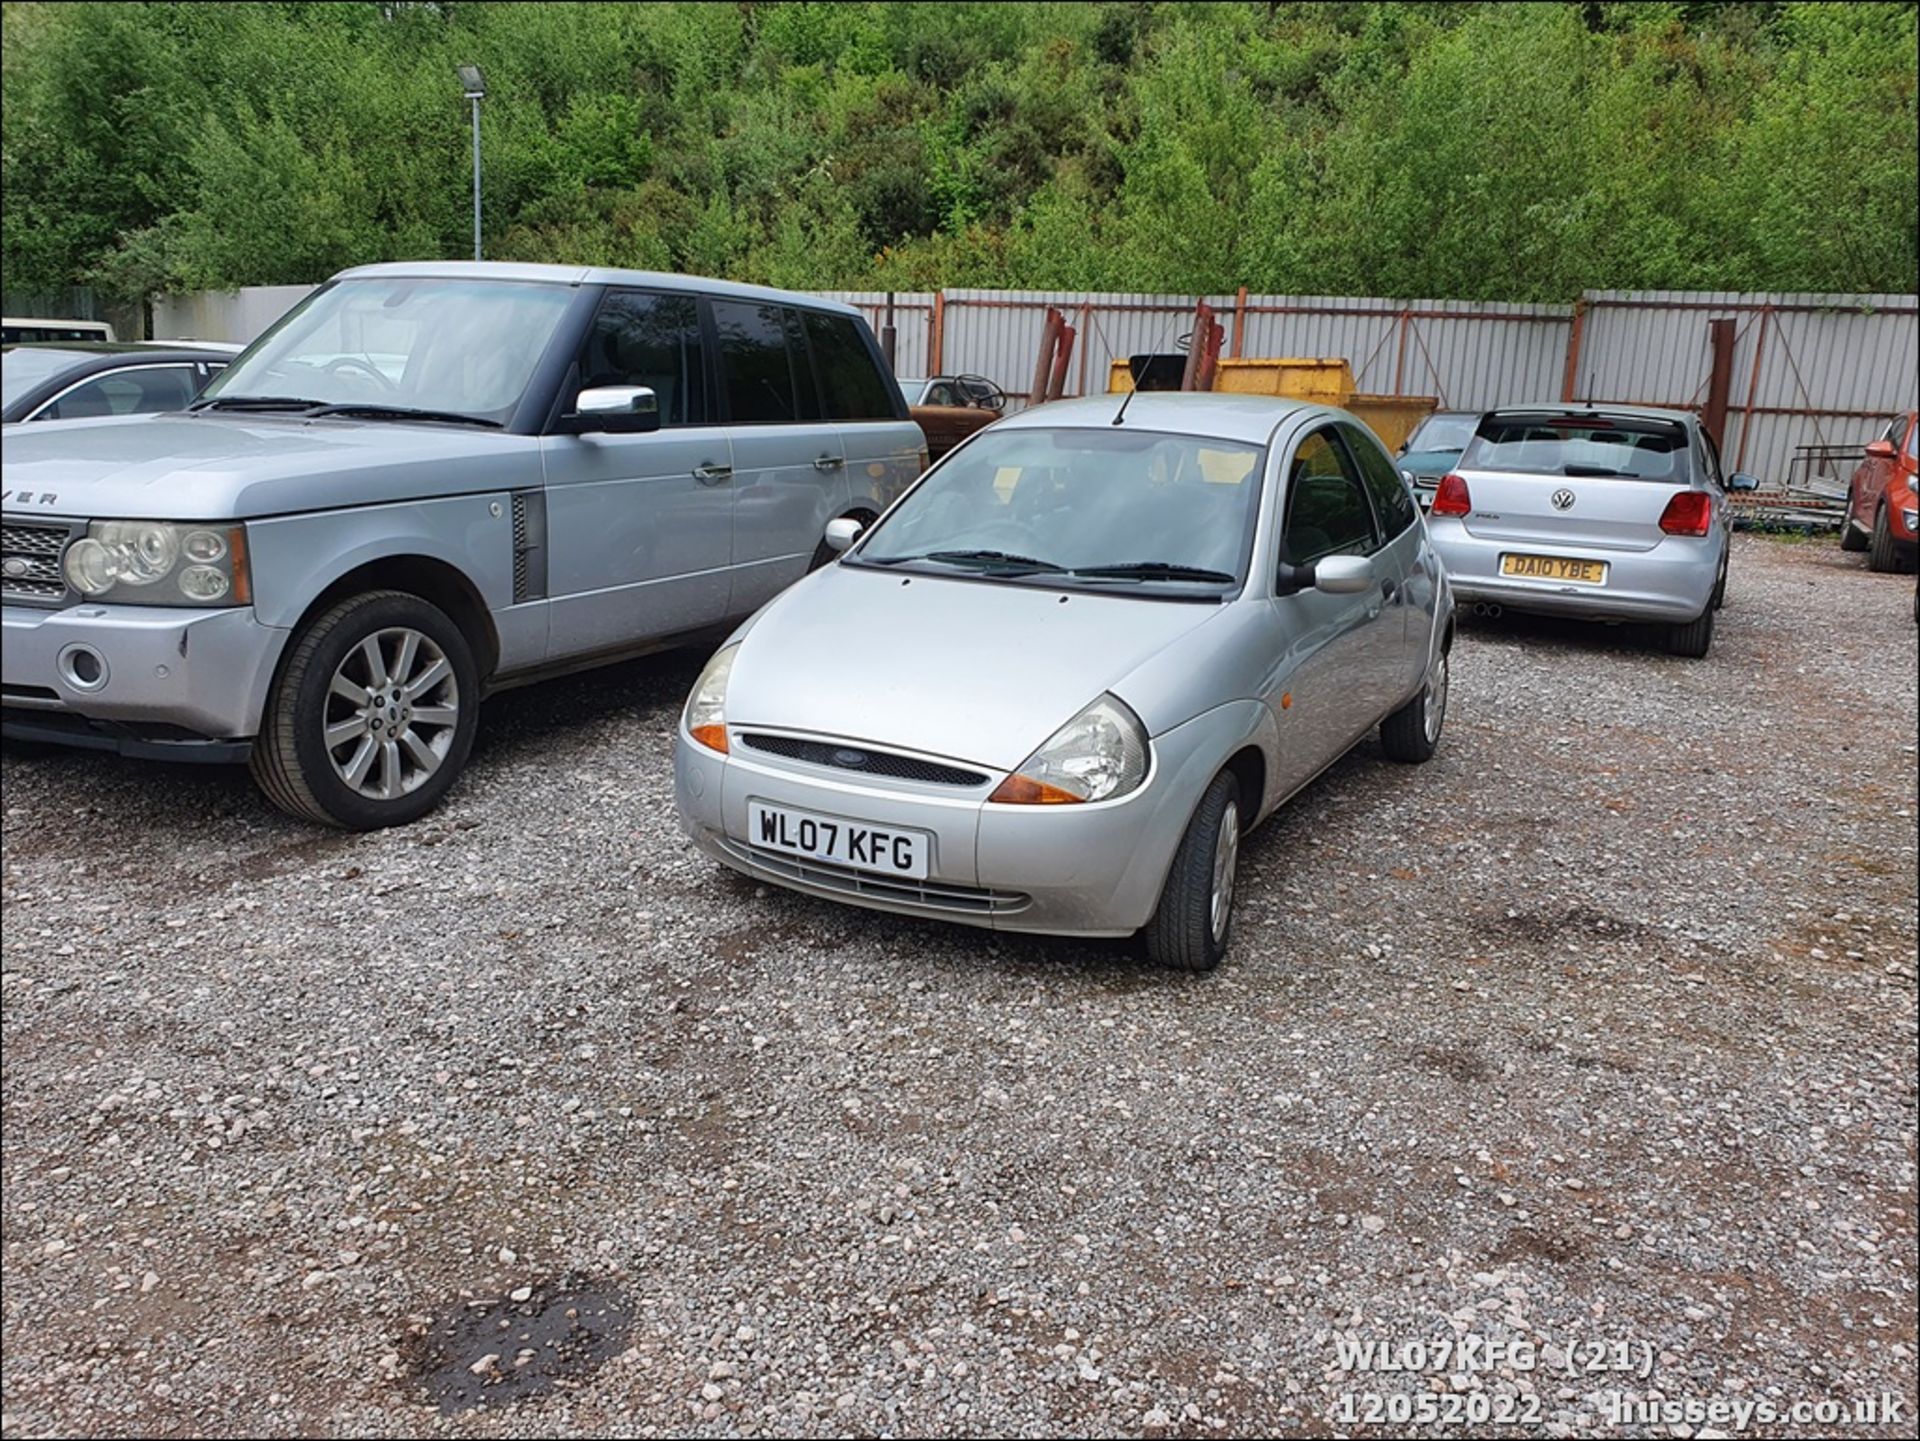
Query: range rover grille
[30, 553]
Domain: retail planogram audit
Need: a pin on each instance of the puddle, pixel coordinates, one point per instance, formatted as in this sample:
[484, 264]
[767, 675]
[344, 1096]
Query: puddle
[488, 1351]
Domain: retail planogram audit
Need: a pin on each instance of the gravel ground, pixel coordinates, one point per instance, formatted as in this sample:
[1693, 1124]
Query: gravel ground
[1599, 1027]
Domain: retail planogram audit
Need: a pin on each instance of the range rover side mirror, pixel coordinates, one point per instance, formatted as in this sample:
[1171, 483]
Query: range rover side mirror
[1740, 480]
[842, 533]
[621, 409]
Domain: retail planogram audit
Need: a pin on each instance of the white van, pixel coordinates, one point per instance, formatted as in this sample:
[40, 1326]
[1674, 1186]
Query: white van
[16, 332]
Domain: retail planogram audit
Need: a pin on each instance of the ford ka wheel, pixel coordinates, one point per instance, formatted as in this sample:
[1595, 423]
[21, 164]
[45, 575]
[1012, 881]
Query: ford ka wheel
[1412, 733]
[1191, 925]
[1226, 861]
[372, 716]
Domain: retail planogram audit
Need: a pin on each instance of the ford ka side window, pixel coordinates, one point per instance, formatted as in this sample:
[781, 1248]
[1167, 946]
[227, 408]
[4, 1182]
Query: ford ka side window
[1392, 502]
[651, 340]
[1327, 508]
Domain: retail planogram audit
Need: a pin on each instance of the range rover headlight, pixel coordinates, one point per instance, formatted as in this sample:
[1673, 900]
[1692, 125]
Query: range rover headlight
[141, 562]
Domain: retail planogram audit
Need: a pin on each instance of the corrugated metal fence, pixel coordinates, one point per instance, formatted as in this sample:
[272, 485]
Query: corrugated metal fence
[1801, 369]
[1819, 370]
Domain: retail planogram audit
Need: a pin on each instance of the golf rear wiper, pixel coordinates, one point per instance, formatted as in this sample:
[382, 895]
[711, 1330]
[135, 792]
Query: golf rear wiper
[403, 412]
[995, 559]
[254, 402]
[1153, 570]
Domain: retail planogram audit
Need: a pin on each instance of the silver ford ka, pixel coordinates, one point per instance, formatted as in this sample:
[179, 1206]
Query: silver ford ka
[1056, 683]
[1611, 513]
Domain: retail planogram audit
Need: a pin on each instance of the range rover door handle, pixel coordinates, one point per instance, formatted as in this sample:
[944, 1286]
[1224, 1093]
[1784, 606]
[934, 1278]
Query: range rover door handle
[829, 462]
[712, 474]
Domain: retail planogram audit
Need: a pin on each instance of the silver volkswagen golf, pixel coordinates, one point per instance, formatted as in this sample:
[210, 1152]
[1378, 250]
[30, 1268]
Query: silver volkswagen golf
[1053, 686]
[1612, 513]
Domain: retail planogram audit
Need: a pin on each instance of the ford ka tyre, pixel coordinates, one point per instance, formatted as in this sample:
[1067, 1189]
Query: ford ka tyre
[1191, 926]
[1412, 733]
[372, 716]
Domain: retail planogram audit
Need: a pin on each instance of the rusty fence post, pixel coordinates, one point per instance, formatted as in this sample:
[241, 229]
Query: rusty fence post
[1240, 323]
[1063, 352]
[937, 335]
[1720, 338]
[1574, 337]
[1753, 387]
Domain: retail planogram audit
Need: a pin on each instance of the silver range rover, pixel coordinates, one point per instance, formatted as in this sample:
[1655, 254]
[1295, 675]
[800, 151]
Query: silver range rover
[1608, 513]
[426, 482]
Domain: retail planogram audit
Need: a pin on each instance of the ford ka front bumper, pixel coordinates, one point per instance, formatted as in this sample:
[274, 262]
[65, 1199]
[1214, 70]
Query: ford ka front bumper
[1081, 870]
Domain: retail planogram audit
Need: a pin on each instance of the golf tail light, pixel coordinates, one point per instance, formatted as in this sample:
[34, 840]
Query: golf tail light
[1451, 497]
[1688, 513]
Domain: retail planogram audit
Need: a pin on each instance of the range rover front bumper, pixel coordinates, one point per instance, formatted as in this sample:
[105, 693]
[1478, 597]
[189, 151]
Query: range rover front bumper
[145, 680]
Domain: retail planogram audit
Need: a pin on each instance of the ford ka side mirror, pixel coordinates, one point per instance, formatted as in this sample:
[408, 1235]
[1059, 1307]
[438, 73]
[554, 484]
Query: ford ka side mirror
[625, 409]
[842, 533]
[1343, 574]
[1880, 449]
[1740, 480]
[1333, 574]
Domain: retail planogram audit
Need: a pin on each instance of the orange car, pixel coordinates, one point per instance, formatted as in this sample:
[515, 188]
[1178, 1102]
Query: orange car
[1881, 503]
[949, 408]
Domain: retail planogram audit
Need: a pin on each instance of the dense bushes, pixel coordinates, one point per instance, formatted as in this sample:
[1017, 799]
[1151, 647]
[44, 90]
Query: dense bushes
[1491, 151]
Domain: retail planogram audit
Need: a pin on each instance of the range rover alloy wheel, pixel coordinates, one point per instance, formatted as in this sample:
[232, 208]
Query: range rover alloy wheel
[372, 715]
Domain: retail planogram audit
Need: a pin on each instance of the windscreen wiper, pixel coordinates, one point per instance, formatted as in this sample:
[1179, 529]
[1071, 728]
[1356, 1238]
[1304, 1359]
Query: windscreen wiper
[254, 402]
[1153, 570]
[403, 412]
[993, 559]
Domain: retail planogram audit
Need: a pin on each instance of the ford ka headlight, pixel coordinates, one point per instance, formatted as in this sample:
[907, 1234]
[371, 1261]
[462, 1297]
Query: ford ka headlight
[155, 562]
[706, 716]
[1098, 755]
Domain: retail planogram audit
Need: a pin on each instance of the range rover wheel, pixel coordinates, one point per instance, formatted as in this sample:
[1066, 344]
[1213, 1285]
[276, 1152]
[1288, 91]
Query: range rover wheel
[1189, 929]
[372, 715]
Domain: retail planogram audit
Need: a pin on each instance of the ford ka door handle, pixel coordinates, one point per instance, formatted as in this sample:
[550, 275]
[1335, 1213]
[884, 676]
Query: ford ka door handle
[712, 474]
[830, 462]
[1388, 590]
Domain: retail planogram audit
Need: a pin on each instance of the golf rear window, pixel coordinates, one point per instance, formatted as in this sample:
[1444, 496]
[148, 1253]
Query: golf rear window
[1622, 447]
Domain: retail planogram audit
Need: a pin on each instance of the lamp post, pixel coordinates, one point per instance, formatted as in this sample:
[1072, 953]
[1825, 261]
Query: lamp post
[475, 85]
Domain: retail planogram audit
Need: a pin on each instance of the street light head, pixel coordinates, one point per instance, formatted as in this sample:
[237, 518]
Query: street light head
[474, 82]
